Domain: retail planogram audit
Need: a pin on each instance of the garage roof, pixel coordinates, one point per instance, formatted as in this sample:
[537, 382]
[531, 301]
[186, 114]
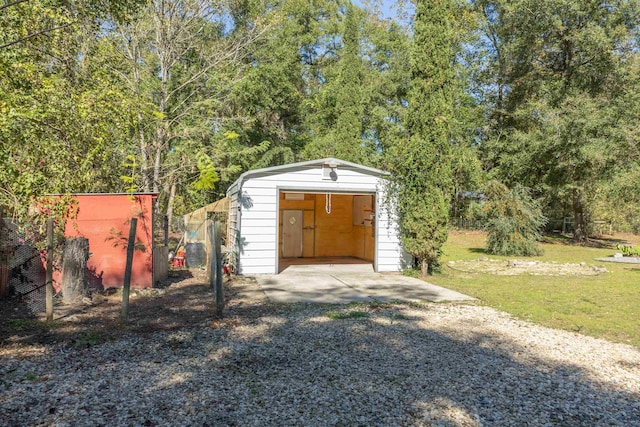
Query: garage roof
[301, 165]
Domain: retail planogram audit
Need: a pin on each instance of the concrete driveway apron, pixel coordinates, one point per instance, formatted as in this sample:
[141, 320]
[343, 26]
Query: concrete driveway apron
[342, 284]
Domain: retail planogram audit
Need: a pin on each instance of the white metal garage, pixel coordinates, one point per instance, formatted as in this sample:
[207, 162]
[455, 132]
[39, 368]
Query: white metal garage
[320, 211]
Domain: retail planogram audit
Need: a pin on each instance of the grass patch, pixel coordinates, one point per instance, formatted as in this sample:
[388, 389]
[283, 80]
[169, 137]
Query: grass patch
[89, 339]
[604, 306]
[411, 272]
[30, 376]
[374, 305]
[353, 314]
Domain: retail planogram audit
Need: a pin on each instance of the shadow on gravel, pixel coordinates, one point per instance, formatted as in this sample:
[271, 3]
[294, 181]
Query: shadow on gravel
[174, 277]
[384, 379]
[267, 364]
[181, 301]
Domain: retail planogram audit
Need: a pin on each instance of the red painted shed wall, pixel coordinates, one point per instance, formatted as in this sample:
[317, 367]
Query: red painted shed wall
[104, 220]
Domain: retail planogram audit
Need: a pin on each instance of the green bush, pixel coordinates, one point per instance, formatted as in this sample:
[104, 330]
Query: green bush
[513, 220]
[628, 250]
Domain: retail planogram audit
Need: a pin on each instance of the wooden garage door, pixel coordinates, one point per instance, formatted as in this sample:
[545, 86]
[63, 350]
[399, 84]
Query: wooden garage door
[292, 221]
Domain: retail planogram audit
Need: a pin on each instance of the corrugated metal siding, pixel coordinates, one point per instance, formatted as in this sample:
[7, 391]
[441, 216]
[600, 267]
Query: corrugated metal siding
[390, 255]
[257, 246]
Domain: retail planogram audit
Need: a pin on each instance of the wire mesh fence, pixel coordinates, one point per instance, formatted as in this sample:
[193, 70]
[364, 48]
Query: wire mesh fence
[462, 223]
[25, 269]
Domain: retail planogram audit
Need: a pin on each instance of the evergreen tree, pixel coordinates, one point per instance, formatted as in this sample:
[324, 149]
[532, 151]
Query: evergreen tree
[556, 78]
[386, 54]
[421, 162]
[269, 98]
[341, 105]
[349, 103]
[513, 220]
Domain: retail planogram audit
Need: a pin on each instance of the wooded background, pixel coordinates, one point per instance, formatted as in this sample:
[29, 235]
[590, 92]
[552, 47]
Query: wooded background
[181, 96]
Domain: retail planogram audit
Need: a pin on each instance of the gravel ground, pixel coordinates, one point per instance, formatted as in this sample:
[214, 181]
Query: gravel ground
[357, 365]
[517, 267]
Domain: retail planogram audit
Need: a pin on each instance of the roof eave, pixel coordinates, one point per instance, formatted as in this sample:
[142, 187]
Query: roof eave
[289, 166]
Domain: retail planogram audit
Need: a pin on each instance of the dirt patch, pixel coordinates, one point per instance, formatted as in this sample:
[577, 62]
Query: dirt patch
[627, 238]
[517, 267]
[184, 300]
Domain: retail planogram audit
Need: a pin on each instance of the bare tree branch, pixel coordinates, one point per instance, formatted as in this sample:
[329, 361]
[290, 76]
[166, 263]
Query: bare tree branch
[13, 3]
[32, 35]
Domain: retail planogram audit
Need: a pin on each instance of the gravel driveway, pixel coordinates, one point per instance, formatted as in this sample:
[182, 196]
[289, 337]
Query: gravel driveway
[357, 365]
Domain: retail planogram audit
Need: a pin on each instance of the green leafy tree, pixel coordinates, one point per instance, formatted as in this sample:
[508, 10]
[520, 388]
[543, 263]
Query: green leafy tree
[182, 62]
[468, 116]
[341, 120]
[555, 79]
[348, 143]
[617, 199]
[63, 120]
[28, 23]
[421, 162]
[513, 220]
[380, 68]
[297, 93]
[280, 73]
[386, 83]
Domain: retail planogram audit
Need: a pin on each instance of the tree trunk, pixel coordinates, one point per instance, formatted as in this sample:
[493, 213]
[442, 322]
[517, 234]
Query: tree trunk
[4, 269]
[144, 166]
[157, 164]
[172, 196]
[424, 268]
[74, 269]
[579, 220]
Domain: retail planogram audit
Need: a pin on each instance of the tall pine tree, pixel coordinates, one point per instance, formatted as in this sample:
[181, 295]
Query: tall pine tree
[341, 107]
[421, 162]
[349, 105]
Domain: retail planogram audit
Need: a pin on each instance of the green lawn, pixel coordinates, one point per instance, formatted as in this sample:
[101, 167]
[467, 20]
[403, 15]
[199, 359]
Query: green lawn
[606, 306]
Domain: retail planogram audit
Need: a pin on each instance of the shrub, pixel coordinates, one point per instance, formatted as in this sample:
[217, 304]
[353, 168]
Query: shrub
[628, 250]
[513, 220]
